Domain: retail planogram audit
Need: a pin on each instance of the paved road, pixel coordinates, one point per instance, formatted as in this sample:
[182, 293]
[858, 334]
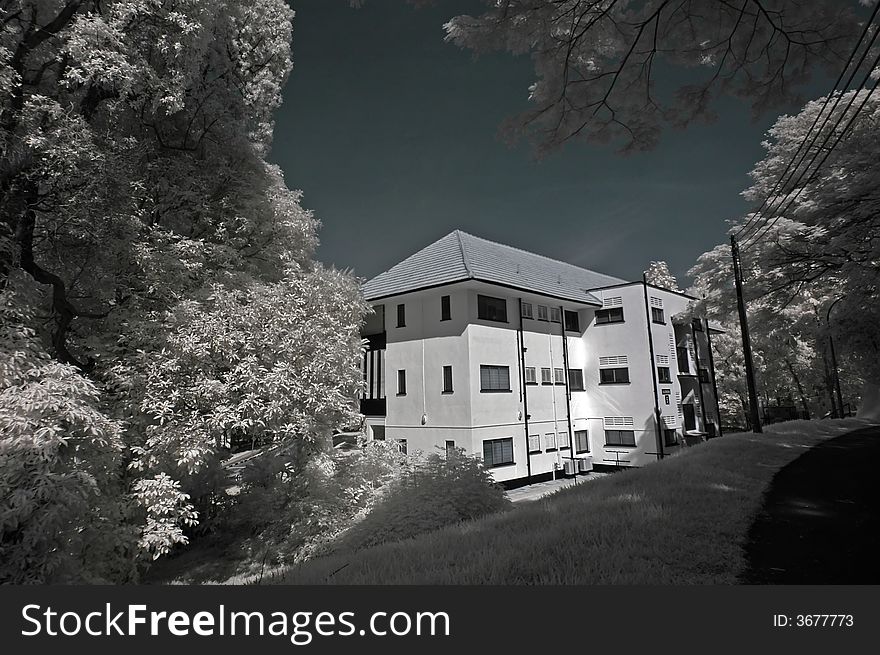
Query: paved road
[820, 523]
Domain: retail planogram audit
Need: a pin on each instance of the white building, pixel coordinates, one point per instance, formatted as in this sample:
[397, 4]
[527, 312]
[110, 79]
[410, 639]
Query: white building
[530, 361]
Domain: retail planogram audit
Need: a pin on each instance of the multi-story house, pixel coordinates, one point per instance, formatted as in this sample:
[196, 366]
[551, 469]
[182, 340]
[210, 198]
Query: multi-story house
[530, 362]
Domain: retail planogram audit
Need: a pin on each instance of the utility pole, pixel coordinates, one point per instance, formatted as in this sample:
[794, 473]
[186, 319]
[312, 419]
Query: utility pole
[747, 344]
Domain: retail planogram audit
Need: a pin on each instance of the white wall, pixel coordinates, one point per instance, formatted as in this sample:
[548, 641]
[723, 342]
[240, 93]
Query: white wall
[468, 416]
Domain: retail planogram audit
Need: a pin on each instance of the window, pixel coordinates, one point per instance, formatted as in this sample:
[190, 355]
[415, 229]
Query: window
[620, 438]
[613, 315]
[494, 378]
[581, 441]
[555, 315]
[492, 309]
[447, 379]
[378, 433]
[401, 445]
[527, 310]
[559, 376]
[546, 376]
[572, 324]
[445, 308]
[670, 438]
[401, 316]
[576, 379]
[534, 443]
[613, 375]
[657, 315]
[550, 441]
[450, 449]
[663, 375]
[497, 452]
[530, 375]
[542, 313]
[704, 375]
[401, 383]
[684, 366]
[563, 441]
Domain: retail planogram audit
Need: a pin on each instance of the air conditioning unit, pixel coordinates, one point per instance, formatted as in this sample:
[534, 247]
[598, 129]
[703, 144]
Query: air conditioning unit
[585, 465]
[570, 467]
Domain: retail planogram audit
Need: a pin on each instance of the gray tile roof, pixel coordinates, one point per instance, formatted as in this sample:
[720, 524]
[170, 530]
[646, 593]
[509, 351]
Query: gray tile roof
[461, 256]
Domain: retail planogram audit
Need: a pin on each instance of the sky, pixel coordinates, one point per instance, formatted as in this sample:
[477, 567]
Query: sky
[392, 135]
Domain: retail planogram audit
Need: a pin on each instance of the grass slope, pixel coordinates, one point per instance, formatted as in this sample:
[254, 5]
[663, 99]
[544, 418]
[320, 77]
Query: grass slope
[680, 521]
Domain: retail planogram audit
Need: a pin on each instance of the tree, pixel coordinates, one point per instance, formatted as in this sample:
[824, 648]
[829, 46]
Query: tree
[822, 233]
[596, 61]
[158, 258]
[658, 274]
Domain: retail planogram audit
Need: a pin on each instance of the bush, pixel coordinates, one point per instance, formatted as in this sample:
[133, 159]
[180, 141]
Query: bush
[431, 494]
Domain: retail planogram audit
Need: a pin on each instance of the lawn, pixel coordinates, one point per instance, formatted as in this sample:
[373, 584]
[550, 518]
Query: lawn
[679, 521]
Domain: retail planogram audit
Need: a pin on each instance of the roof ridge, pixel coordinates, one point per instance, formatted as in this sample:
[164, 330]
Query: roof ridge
[529, 252]
[464, 256]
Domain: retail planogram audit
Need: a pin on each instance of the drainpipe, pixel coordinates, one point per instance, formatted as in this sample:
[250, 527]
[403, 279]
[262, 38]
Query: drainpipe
[567, 386]
[553, 394]
[658, 429]
[521, 346]
[714, 381]
[699, 381]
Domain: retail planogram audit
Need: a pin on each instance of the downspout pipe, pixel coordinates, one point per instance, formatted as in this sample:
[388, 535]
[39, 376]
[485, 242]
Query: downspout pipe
[567, 385]
[521, 346]
[658, 429]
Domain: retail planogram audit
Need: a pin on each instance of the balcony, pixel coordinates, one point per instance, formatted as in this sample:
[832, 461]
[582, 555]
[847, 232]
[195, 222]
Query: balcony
[373, 406]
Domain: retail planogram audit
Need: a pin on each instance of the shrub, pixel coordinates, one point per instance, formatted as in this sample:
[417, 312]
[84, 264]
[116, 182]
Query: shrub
[432, 493]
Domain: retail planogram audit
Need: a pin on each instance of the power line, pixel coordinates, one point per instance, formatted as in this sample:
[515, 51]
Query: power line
[752, 222]
[763, 231]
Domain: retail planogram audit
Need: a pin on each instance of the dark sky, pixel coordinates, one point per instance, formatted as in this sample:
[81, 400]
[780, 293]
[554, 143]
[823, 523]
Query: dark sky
[392, 134]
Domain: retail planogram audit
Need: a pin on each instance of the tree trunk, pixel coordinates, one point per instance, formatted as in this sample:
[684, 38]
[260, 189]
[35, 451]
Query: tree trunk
[800, 389]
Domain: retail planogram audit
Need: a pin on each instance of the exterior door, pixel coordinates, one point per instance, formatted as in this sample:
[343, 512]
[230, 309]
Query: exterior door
[690, 417]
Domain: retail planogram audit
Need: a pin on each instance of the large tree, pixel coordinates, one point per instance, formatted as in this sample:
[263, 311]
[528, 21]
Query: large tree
[811, 256]
[148, 247]
[598, 62]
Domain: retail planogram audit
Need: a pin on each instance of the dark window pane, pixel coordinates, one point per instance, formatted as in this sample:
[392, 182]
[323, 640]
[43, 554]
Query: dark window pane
[492, 309]
[657, 315]
[401, 316]
[612, 315]
[620, 438]
[683, 360]
[497, 452]
[494, 378]
[581, 441]
[572, 324]
[445, 308]
[663, 375]
[613, 375]
[576, 379]
[447, 379]
[401, 383]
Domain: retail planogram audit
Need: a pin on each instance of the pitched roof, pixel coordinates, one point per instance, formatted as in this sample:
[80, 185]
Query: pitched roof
[461, 256]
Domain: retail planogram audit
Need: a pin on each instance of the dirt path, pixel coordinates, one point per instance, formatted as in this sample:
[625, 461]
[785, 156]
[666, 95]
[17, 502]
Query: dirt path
[820, 523]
